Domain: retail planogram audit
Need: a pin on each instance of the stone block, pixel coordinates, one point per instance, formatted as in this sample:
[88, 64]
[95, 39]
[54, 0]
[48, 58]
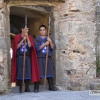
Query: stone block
[63, 42]
[1, 17]
[1, 33]
[1, 70]
[1, 4]
[75, 86]
[70, 72]
[68, 64]
[94, 86]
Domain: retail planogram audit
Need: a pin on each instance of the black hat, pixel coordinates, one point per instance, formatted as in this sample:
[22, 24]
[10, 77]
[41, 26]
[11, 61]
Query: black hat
[23, 26]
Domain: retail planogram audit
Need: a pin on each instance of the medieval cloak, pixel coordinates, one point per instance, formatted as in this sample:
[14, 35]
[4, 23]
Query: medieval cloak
[35, 69]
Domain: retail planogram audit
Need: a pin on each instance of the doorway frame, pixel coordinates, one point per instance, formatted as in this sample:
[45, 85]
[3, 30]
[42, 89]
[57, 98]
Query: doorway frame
[54, 6]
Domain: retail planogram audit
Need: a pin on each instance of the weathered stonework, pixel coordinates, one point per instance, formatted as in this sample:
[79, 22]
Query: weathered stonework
[4, 50]
[76, 61]
[75, 36]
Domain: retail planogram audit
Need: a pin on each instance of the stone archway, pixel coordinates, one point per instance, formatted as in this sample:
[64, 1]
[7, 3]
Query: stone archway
[74, 32]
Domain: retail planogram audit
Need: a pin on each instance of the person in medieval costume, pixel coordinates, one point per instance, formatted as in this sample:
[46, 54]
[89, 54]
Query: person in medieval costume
[31, 62]
[41, 43]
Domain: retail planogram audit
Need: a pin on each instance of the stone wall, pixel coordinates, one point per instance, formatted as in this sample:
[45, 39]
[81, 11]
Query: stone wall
[4, 50]
[74, 33]
[75, 38]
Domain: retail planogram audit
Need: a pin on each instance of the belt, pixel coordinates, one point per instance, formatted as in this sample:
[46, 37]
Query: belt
[45, 57]
[23, 56]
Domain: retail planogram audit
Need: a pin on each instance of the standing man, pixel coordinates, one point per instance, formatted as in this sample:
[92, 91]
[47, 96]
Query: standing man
[41, 43]
[31, 62]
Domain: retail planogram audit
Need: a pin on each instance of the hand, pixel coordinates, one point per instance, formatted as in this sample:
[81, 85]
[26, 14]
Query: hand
[24, 38]
[47, 43]
[26, 34]
[49, 39]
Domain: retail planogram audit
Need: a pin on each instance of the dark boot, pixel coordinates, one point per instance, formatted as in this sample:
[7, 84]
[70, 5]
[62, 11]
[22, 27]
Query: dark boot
[51, 86]
[20, 86]
[36, 87]
[27, 89]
